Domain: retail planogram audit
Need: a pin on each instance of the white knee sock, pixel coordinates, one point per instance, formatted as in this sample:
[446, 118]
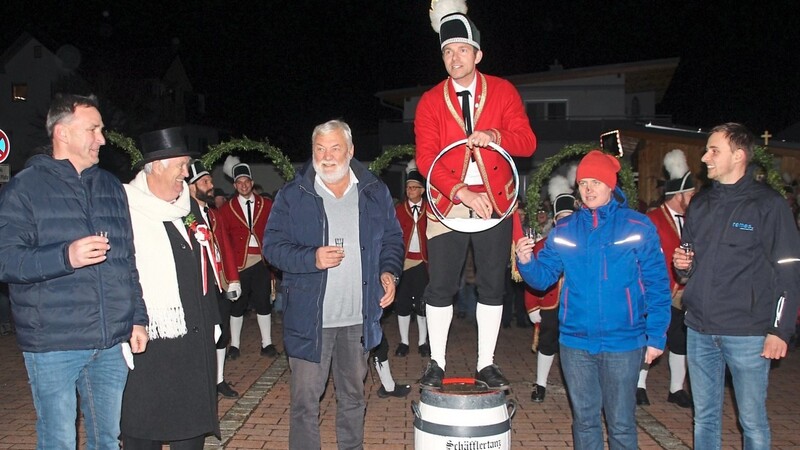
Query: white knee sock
[677, 372]
[236, 330]
[403, 322]
[543, 365]
[220, 365]
[422, 326]
[385, 374]
[265, 325]
[439, 318]
[488, 318]
[642, 379]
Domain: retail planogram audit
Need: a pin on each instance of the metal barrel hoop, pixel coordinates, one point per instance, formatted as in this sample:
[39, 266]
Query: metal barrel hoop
[471, 225]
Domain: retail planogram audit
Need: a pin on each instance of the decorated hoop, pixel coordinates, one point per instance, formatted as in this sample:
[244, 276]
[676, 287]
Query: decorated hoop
[471, 225]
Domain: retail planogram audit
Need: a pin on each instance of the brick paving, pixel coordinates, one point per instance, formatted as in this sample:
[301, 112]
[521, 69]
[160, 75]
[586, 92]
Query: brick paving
[259, 419]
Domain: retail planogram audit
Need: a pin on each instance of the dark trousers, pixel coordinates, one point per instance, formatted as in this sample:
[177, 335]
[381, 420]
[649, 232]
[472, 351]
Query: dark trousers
[408, 298]
[446, 254]
[676, 333]
[548, 332]
[225, 307]
[255, 291]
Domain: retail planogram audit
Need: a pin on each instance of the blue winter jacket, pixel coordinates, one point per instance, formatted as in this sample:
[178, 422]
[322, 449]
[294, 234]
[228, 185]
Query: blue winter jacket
[43, 209]
[615, 296]
[297, 226]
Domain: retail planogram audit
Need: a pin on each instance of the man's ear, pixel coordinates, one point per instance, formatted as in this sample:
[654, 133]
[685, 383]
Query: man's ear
[60, 132]
[478, 56]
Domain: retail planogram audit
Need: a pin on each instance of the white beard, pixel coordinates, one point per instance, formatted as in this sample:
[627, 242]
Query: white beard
[336, 175]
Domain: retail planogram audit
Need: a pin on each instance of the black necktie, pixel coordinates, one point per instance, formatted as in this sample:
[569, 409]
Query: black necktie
[415, 211]
[249, 215]
[465, 110]
[205, 215]
[680, 223]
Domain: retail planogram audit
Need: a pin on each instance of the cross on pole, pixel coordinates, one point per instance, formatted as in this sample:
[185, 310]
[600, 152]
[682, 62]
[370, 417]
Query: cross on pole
[766, 137]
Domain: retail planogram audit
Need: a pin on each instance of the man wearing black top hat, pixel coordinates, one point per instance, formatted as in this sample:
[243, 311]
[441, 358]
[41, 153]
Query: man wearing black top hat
[171, 394]
[471, 180]
[201, 188]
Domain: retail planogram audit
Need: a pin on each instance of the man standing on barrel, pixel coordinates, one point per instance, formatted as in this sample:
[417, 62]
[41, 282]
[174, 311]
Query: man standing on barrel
[471, 180]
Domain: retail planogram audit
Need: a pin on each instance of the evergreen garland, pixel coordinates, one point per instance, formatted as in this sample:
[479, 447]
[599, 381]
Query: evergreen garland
[390, 154]
[125, 143]
[282, 163]
[765, 160]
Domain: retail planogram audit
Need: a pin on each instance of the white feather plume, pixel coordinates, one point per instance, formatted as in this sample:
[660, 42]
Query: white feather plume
[558, 185]
[228, 165]
[675, 163]
[412, 166]
[441, 8]
[572, 173]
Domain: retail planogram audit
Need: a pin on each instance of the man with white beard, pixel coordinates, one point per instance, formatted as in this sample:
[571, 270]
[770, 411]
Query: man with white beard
[334, 294]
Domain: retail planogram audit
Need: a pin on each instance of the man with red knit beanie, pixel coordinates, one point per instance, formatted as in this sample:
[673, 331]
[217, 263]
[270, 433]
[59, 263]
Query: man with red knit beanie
[614, 303]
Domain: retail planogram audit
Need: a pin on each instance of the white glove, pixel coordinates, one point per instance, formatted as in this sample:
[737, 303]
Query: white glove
[536, 316]
[234, 291]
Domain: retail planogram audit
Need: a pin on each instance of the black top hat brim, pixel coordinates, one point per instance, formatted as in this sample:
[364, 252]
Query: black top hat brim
[163, 144]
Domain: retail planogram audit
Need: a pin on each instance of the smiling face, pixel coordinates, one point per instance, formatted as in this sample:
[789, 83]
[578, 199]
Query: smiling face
[167, 178]
[460, 60]
[725, 163]
[79, 138]
[244, 186]
[594, 193]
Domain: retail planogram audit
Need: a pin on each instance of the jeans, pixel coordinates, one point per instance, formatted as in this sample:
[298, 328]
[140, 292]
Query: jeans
[707, 357]
[98, 375]
[343, 353]
[603, 382]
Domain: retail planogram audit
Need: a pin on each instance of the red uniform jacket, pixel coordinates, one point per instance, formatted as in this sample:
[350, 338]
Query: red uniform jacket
[227, 267]
[438, 123]
[670, 239]
[234, 225]
[406, 218]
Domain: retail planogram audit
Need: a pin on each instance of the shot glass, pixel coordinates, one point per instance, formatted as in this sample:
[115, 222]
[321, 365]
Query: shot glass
[102, 234]
[339, 243]
[688, 248]
[529, 233]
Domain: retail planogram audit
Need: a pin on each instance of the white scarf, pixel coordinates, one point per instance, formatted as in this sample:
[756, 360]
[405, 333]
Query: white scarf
[154, 260]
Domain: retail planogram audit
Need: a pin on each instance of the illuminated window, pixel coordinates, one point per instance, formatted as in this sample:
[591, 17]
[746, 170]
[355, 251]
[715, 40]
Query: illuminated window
[19, 92]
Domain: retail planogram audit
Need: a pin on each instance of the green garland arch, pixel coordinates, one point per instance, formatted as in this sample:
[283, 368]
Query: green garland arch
[574, 151]
[765, 160]
[282, 163]
[389, 155]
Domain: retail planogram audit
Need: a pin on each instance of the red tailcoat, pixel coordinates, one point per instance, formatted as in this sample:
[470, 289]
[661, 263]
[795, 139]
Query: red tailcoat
[234, 225]
[227, 268]
[670, 239]
[439, 123]
[406, 218]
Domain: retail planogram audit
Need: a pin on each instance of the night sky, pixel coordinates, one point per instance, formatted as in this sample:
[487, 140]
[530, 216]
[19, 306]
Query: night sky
[275, 69]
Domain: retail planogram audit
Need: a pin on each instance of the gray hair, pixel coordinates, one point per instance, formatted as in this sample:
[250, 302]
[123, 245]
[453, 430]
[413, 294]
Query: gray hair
[331, 126]
[148, 168]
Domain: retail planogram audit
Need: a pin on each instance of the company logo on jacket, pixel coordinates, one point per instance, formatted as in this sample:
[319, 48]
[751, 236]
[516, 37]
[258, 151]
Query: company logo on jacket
[742, 226]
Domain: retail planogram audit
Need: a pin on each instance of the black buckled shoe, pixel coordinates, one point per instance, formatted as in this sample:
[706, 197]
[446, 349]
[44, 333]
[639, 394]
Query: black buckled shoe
[224, 389]
[538, 393]
[680, 398]
[269, 351]
[233, 353]
[402, 350]
[400, 391]
[493, 377]
[433, 376]
[424, 350]
[641, 397]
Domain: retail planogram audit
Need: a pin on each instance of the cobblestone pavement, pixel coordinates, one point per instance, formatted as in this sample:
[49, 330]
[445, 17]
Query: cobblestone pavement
[259, 419]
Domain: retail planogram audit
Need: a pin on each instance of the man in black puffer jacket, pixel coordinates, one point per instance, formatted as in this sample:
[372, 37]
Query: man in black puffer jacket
[742, 292]
[67, 246]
